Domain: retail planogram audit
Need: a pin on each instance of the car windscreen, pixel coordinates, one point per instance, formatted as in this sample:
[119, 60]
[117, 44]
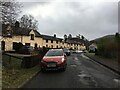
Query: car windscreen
[66, 50]
[54, 53]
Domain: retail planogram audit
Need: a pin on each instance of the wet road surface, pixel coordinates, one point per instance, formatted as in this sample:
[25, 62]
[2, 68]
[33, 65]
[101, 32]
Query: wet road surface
[81, 72]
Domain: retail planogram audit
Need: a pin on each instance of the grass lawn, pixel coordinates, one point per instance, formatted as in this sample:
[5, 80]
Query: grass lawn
[13, 76]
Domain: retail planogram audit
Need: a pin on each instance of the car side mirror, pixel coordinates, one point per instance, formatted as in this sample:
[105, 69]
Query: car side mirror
[65, 55]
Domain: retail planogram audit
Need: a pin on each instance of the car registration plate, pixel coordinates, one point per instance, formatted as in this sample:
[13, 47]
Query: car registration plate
[51, 65]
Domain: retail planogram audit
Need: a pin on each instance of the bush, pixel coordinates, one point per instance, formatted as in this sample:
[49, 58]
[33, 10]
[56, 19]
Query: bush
[17, 46]
[107, 48]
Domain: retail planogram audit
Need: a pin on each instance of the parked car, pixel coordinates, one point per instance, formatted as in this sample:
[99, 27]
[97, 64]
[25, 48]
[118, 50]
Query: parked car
[73, 51]
[67, 51]
[54, 59]
[78, 51]
[92, 48]
[26, 50]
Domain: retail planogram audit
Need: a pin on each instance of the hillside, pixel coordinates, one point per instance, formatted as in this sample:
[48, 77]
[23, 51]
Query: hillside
[107, 37]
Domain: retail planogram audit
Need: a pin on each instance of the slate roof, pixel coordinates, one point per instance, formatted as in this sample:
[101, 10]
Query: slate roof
[20, 31]
[74, 40]
[25, 32]
[47, 37]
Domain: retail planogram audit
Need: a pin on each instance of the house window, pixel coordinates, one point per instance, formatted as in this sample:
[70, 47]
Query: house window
[47, 46]
[27, 44]
[14, 44]
[36, 45]
[51, 46]
[46, 41]
[32, 36]
[3, 45]
[57, 46]
[57, 42]
[51, 41]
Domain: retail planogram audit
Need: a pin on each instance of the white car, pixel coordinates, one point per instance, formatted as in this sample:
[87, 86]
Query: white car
[79, 51]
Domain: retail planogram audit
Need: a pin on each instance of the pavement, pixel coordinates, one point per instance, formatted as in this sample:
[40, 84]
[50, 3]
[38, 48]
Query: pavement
[112, 64]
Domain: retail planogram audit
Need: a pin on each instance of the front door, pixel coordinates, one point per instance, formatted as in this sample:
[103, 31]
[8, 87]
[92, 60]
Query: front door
[3, 45]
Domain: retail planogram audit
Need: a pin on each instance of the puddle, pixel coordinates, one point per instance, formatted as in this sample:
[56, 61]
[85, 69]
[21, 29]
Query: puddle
[87, 80]
[117, 81]
[76, 58]
[73, 65]
[81, 75]
[85, 77]
[81, 72]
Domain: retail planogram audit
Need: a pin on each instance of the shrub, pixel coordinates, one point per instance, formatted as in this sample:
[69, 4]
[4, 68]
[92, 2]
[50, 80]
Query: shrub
[107, 48]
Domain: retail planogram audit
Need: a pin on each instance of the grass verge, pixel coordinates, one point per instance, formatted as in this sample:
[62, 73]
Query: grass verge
[96, 57]
[17, 78]
[112, 63]
[13, 76]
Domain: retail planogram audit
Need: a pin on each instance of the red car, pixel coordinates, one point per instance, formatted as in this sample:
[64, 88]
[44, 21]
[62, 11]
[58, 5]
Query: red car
[54, 59]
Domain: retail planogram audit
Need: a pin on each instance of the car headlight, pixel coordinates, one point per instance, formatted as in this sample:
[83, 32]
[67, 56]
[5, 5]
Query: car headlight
[62, 59]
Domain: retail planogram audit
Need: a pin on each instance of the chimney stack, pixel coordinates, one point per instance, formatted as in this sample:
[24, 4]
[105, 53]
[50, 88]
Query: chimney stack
[54, 35]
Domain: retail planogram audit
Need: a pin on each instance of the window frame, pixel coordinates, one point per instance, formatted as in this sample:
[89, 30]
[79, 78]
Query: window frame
[51, 41]
[32, 36]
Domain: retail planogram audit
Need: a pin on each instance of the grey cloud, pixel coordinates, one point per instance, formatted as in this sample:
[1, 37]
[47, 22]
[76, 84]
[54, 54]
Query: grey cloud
[80, 18]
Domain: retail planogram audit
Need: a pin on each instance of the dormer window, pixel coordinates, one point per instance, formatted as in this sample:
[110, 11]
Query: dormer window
[32, 36]
[8, 31]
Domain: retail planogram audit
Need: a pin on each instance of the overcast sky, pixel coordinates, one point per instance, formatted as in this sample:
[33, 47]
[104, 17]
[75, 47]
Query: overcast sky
[91, 18]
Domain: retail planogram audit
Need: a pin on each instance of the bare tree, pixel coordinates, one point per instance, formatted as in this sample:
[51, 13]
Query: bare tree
[35, 24]
[28, 21]
[9, 11]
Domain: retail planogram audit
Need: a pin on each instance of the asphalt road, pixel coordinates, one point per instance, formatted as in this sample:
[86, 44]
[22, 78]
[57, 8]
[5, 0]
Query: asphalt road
[81, 72]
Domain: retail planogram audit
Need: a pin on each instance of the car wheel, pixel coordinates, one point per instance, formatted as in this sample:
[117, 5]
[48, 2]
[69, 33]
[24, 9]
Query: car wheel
[64, 68]
[42, 69]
